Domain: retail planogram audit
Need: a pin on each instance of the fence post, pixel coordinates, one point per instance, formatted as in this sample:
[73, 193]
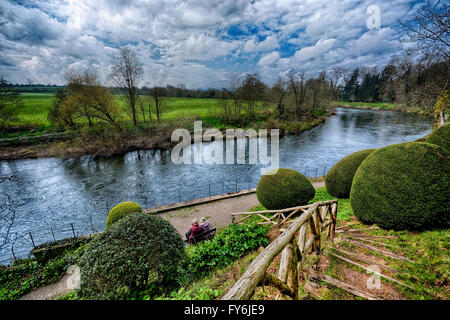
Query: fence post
[236, 184]
[209, 190]
[179, 195]
[73, 230]
[324, 169]
[54, 239]
[315, 174]
[31, 237]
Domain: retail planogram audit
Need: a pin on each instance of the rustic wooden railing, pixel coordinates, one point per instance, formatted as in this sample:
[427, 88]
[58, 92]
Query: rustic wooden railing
[315, 219]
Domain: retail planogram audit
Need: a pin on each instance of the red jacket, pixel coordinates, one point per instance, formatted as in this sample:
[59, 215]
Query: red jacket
[195, 230]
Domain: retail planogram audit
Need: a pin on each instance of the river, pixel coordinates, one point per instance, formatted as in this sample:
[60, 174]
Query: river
[52, 195]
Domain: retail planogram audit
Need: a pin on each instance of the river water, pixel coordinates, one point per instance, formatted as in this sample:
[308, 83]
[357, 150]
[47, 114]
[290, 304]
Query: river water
[53, 195]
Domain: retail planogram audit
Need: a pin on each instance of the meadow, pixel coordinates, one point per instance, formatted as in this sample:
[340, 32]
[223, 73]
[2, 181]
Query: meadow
[37, 105]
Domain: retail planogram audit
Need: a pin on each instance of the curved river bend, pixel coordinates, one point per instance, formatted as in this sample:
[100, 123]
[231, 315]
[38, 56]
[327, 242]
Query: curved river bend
[51, 194]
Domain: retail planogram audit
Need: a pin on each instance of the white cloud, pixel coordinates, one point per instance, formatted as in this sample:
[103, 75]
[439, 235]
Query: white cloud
[270, 43]
[189, 41]
[314, 51]
[269, 59]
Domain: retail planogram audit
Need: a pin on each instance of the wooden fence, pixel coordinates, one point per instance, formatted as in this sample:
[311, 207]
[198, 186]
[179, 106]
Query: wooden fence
[315, 219]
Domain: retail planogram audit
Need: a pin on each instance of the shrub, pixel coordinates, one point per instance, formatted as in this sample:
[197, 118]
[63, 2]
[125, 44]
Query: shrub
[121, 210]
[56, 249]
[23, 276]
[136, 252]
[227, 246]
[441, 137]
[287, 188]
[403, 187]
[340, 177]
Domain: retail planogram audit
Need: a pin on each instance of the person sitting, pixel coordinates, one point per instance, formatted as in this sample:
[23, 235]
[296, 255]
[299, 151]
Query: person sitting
[205, 228]
[194, 230]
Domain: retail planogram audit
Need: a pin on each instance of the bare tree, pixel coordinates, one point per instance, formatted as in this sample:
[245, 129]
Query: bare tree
[251, 91]
[126, 73]
[297, 87]
[225, 105]
[334, 77]
[84, 97]
[161, 101]
[317, 86]
[431, 27]
[278, 92]
[237, 104]
[10, 103]
[7, 217]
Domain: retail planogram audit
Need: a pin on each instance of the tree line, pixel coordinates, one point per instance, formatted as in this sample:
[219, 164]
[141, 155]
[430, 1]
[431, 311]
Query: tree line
[413, 79]
[405, 80]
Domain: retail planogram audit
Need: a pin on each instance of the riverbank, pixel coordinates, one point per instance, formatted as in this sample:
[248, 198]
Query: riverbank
[383, 106]
[101, 143]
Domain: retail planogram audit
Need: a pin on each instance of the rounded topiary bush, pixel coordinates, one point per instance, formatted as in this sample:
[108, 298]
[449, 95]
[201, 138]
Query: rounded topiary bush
[338, 180]
[133, 254]
[403, 187]
[121, 210]
[284, 189]
[441, 137]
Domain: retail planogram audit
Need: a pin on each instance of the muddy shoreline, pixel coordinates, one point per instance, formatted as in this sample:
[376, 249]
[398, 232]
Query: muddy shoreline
[98, 149]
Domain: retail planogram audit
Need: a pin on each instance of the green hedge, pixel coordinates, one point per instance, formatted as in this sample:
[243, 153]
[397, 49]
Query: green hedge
[136, 252]
[56, 249]
[440, 137]
[121, 210]
[340, 177]
[287, 188]
[403, 187]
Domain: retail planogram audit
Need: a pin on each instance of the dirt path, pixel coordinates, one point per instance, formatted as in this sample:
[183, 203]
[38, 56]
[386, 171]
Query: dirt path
[55, 290]
[216, 212]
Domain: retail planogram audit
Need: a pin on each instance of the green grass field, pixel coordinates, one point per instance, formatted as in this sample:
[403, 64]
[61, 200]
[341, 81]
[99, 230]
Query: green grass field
[37, 105]
[374, 105]
[35, 108]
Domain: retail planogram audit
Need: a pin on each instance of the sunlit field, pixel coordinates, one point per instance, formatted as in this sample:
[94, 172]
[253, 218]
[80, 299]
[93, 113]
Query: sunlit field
[37, 105]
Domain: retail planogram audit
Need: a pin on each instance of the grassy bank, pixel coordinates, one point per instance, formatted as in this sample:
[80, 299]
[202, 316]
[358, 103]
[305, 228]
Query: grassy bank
[103, 141]
[383, 106]
[428, 272]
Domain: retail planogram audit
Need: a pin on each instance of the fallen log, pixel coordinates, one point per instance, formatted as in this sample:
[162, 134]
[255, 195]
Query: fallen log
[374, 242]
[269, 279]
[364, 260]
[369, 270]
[386, 253]
[342, 285]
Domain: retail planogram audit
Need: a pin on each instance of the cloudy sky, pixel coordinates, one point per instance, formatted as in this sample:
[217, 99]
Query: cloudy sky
[200, 43]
